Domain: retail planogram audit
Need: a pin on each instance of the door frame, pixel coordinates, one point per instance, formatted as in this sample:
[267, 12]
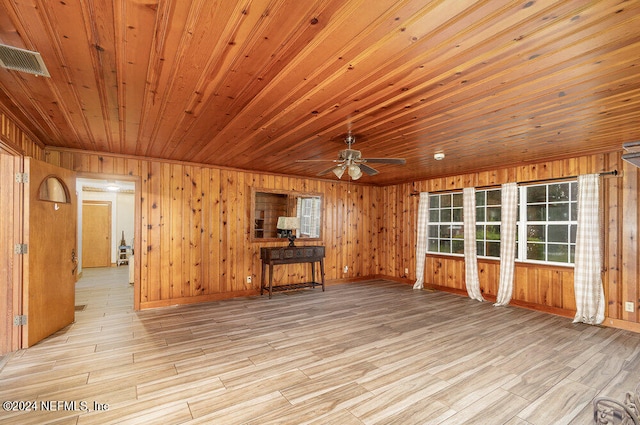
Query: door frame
[12, 304]
[137, 223]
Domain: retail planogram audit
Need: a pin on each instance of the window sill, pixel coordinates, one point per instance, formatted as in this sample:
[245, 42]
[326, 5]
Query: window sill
[532, 264]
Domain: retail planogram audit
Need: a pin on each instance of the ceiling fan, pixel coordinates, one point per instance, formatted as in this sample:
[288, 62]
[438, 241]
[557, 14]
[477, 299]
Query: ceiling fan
[351, 160]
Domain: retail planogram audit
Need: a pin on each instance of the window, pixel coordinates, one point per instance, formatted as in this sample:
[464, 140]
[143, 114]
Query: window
[53, 189]
[310, 217]
[547, 221]
[488, 215]
[446, 228]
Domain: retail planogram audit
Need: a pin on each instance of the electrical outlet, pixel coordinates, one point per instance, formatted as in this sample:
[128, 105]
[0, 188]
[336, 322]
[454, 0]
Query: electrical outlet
[248, 279]
[406, 270]
[346, 269]
[629, 307]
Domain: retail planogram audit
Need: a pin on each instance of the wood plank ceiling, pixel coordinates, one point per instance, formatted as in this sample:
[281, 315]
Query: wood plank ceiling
[258, 84]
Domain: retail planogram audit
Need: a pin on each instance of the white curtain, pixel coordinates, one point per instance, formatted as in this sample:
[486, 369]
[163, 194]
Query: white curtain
[421, 245]
[587, 279]
[470, 249]
[508, 222]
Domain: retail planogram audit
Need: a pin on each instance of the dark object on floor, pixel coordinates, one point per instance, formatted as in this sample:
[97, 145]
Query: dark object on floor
[611, 412]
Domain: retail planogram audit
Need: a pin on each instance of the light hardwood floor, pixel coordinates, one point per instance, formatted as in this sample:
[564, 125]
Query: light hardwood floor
[374, 352]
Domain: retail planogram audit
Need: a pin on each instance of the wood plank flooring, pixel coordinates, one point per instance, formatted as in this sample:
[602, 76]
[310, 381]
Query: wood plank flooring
[373, 352]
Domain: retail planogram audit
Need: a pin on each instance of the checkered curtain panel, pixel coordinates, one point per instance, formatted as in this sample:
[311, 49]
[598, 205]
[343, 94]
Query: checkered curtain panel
[470, 250]
[508, 231]
[587, 281]
[421, 245]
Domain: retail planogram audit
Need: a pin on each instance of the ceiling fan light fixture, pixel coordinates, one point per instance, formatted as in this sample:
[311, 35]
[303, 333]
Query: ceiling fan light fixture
[355, 172]
[338, 171]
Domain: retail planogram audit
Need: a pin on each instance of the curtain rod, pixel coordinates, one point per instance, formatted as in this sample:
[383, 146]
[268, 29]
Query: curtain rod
[606, 173]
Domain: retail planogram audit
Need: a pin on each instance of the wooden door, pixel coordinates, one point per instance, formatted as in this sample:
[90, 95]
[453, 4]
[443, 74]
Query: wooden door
[50, 262]
[96, 234]
[10, 262]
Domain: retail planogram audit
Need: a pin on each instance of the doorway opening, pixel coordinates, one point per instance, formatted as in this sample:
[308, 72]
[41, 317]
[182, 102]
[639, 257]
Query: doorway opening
[107, 217]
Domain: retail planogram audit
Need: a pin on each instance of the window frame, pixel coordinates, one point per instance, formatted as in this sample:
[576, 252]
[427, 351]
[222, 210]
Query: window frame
[485, 223]
[524, 222]
[456, 227]
[522, 226]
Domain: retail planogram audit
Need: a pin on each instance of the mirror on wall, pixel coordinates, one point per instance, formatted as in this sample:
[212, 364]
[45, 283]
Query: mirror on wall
[268, 205]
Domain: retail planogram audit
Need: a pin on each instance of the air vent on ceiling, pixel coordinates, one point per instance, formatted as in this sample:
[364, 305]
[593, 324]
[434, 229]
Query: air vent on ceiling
[633, 155]
[22, 60]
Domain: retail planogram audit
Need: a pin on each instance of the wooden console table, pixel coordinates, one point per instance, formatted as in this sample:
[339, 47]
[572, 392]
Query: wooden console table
[291, 255]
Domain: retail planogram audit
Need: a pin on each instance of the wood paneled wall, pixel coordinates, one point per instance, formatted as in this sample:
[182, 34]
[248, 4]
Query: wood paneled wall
[544, 288]
[14, 136]
[195, 239]
[196, 231]
[195, 243]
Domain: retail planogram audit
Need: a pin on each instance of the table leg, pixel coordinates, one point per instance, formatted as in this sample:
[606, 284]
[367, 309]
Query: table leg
[270, 279]
[322, 272]
[313, 275]
[264, 269]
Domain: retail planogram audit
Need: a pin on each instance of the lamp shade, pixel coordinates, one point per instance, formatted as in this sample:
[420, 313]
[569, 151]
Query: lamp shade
[338, 171]
[288, 223]
[355, 172]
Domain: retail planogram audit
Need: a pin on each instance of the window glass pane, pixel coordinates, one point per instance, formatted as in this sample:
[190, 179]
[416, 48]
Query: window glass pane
[434, 201]
[558, 253]
[493, 232]
[457, 232]
[558, 233]
[574, 191]
[493, 249]
[457, 215]
[480, 248]
[445, 245]
[558, 192]
[574, 211]
[493, 197]
[433, 231]
[457, 246]
[445, 216]
[479, 232]
[480, 214]
[434, 216]
[480, 198]
[536, 213]
[535, 251]
[493, 213]
[536, 194]
[536, 233]
[457, 200]
[559, 212]
[572, 254]
[445, 200]
[433, 245]
[574, 230]
[445, 231]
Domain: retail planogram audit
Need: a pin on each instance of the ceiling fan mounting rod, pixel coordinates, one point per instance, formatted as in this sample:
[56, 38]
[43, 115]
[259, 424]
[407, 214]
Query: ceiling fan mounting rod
[349, 140]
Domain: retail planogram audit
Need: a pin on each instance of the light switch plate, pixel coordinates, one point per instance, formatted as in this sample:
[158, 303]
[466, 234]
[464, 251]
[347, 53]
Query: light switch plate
[629, 307]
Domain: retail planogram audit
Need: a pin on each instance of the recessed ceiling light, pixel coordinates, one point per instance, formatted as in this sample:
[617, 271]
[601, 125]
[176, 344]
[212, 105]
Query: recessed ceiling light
[438, 156]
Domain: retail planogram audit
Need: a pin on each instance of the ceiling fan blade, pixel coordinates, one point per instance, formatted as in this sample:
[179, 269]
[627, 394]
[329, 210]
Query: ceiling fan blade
[385, 160]
[316, 160]
[368, 170]
[327, 171]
